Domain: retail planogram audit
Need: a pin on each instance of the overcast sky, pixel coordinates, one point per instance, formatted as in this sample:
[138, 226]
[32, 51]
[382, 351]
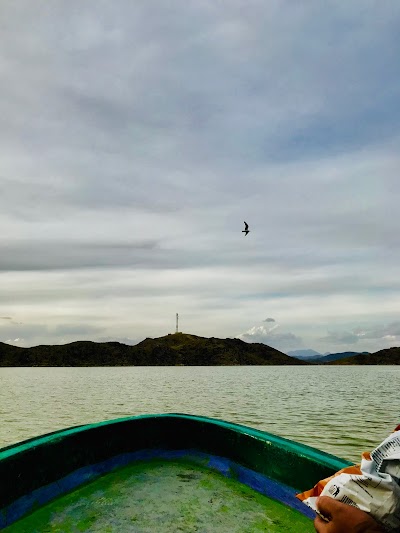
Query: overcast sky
[137, 137]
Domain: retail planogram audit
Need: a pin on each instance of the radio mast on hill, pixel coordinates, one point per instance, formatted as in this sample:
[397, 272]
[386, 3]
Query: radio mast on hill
[176, 323]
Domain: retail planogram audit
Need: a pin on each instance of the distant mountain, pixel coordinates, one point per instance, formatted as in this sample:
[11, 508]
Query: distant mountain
[335, 357]
[390, 356]
[311, 356]
[170, 350]
[304, 354]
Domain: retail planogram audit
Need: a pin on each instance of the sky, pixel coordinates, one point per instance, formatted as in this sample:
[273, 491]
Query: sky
[137, 137]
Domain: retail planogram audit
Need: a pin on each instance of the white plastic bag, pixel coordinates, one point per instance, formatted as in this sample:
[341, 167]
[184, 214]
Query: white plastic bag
[373, 486]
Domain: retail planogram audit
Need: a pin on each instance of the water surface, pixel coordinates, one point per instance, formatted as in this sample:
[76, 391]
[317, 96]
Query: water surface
[341, 410]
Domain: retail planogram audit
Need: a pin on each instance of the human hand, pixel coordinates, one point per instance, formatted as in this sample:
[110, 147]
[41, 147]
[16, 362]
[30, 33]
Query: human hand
[343, 518]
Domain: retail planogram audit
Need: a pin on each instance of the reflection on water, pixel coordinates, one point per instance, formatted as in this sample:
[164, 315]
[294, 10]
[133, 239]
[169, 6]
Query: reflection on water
[341, 410]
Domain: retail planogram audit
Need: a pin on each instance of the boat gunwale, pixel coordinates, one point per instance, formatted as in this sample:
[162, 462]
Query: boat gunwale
[61, 461]
[289, 445]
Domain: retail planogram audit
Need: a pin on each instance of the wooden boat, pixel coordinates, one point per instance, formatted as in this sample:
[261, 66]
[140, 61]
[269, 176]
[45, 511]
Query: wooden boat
[159, 473]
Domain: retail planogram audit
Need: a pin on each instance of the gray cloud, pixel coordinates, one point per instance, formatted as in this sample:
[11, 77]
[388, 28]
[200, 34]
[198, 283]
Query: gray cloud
[15, 341]
[268, 335]
[123, 340]
[36, 333]
[5, 318]
[137, 138]
[54, 256]
[379, 332]
[269, 320]
[75, 330]
[342, 337]
[382, 332]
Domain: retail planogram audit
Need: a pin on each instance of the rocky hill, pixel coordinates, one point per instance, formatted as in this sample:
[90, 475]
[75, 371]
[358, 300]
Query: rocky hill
[170, 350]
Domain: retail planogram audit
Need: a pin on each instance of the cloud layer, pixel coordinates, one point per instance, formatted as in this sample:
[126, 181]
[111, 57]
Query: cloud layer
[136, 138]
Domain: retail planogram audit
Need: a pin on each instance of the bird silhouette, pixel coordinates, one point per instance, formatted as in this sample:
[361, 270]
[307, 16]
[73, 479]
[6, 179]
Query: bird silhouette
[246, 229]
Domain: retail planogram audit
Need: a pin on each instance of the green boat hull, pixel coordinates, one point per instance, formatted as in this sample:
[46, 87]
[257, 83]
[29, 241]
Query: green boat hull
[159, 473]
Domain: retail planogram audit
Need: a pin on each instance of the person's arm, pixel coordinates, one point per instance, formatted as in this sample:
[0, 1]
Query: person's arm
[343, 518]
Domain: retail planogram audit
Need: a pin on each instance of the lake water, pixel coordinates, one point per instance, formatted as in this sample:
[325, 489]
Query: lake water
[341, 410]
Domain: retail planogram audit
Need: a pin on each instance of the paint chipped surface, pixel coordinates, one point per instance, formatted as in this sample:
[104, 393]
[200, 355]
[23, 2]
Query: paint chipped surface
[172, 496]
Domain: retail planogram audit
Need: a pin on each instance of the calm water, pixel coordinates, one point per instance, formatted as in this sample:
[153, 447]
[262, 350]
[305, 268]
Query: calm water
[342, 410]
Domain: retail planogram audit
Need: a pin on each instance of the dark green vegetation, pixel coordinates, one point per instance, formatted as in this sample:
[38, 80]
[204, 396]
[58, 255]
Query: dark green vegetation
[390, 356]
[170, 350]
[176, 349]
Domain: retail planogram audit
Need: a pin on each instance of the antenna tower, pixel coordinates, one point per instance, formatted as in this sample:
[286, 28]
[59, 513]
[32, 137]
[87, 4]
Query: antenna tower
[176, 323]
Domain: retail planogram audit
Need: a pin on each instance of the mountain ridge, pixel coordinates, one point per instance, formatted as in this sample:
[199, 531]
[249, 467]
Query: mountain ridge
[323, 359]
[178, 349]
[305, 354]
[387, 356]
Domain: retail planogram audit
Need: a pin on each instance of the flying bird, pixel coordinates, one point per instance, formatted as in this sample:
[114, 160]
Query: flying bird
[246, 229]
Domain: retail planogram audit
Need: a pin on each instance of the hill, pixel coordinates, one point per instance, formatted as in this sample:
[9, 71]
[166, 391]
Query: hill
[335, 357]
[307, 354]
[170, 350]
[390, 356]
[311, 356]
